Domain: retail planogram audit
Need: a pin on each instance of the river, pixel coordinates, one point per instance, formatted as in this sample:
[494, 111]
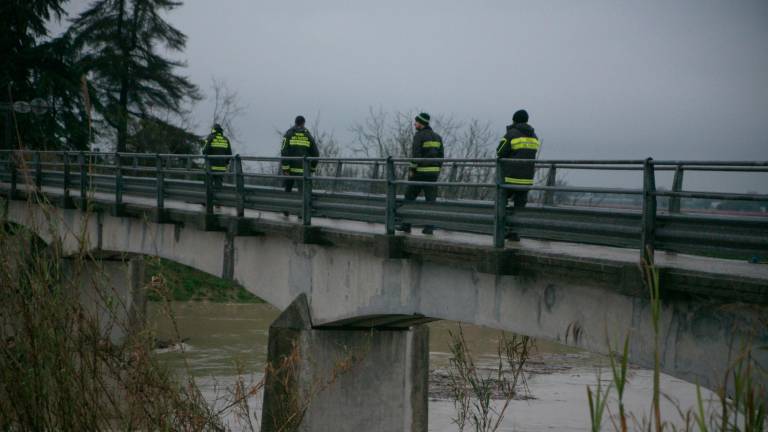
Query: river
[226, 338]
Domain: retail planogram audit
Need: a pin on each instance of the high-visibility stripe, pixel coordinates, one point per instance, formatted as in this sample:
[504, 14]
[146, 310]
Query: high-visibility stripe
[297, 170]
[518, 181]
[431, 144]
[219, 142]
[299, 143]
[218, 168]
[285, 167]
[524, 143]
[428, 169]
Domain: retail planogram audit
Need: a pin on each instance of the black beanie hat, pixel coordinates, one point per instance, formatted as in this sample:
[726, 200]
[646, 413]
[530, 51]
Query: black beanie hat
[300, 120]
[423, 119]
[520, 116]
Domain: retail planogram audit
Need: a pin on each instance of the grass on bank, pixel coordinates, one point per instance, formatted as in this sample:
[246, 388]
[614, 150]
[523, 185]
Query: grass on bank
[187, 284]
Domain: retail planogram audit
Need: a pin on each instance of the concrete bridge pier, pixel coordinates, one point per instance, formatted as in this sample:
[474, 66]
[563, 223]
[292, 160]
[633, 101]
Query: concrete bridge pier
[111, 292]
[344, 379]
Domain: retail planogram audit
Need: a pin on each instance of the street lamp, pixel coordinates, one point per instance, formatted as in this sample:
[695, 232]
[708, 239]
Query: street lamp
[37, 106]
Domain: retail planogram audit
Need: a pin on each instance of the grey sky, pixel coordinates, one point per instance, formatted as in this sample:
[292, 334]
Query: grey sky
[684, 79]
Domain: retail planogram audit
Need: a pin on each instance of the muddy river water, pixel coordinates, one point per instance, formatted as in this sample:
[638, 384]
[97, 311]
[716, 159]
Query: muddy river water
[222, 339]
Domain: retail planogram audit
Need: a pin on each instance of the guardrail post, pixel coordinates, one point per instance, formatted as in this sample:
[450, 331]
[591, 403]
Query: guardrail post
[306, 196]
[649, 211]
[208, 187]
[67, 203]
[500, 209]
[160, 176]
[83, 181]
[549, 196]
[14, 175]
[240, 186]
[188, 168]
[38, 171]
[391, 200]
[118, 210]
[452, 179]
[375, 175]
[677, 186]
[335, 186]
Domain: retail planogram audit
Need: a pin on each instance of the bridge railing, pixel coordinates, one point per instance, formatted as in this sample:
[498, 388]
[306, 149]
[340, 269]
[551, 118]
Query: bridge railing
[471, 195]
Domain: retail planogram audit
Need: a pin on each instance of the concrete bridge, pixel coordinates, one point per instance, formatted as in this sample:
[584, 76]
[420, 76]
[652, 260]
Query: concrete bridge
[345, 277]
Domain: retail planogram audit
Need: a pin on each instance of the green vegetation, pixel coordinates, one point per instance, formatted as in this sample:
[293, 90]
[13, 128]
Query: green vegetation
[182, 283]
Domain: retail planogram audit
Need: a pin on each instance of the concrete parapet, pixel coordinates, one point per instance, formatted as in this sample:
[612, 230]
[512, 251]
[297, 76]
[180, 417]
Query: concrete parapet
[344, 380]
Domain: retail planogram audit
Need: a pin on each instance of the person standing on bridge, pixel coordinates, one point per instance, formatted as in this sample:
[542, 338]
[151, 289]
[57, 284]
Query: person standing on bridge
[297, 142]
[217, 145]
[426, 144]
[520, 142]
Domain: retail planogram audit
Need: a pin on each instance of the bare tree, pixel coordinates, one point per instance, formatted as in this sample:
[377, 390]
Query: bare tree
[226, 107]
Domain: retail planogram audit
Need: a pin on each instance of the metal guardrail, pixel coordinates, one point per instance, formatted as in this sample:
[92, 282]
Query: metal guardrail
[367, 190]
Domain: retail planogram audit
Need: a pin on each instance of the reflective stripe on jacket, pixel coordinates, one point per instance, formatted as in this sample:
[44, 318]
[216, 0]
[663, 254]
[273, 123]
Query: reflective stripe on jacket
[520, 142]
[298, 142]
[427, 144]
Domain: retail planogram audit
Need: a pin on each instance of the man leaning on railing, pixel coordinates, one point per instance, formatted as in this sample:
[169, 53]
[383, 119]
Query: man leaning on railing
[520, 142]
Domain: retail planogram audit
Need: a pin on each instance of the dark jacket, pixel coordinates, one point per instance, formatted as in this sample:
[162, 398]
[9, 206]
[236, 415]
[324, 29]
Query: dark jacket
[218, 145]
[520, 142]
[427, 144]
[298, 142]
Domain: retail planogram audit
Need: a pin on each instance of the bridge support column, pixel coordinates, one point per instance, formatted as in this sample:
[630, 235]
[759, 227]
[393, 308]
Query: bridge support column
[344, 379]
[111, 292]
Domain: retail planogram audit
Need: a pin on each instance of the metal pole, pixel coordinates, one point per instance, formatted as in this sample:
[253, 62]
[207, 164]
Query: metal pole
[160, 175]
[8, 117]
[83, 181]
[677, 186]
[240, 186]
[66, 180]
[306, 196]
[14, 174]
[391, 209]
[549, 196]
[38, 170]
[118, 184]
[500, 207]
[337, 175]
[208, 188]
[649, 211]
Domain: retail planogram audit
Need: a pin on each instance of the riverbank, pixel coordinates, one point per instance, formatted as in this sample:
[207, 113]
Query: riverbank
[182, 283]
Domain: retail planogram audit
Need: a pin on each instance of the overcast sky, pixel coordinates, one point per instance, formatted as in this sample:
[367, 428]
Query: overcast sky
[685, 79]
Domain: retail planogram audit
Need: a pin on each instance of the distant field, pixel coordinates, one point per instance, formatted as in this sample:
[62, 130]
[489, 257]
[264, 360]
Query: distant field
[182, 283]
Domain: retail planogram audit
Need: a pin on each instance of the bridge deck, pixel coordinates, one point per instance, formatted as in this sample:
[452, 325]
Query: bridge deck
[713, 267]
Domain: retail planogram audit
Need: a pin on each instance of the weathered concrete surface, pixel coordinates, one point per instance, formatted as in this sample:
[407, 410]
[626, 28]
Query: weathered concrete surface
[344, 380]
[111, 293]
[584, 296]
[110, 289]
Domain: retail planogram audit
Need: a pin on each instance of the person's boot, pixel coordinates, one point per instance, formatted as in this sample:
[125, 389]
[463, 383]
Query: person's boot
[428, 230]
[285, 213]
[512, 236]
[406, 228]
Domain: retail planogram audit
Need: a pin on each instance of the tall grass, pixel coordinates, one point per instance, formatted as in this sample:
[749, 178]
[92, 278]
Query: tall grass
[741, 410]
[475, 390]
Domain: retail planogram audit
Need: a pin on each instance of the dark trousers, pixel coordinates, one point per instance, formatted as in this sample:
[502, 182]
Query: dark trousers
[288, 183]
[412, 191]
[217, 177]
[519, 198]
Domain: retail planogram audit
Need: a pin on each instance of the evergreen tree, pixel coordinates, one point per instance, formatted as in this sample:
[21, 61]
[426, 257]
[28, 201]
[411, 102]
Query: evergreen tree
[119, 42]
[32, 66]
